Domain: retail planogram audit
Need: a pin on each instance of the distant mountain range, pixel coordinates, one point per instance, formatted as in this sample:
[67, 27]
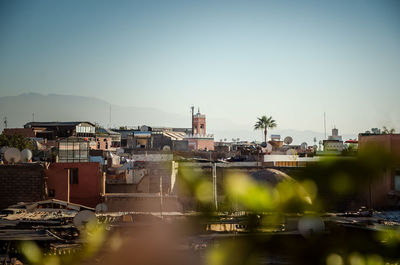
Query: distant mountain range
[53, 107]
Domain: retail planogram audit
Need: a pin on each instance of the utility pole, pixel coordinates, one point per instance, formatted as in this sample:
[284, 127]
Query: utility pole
[68, 184]
[109, 122]
[215, 195]
[161, 197]
[325, 125]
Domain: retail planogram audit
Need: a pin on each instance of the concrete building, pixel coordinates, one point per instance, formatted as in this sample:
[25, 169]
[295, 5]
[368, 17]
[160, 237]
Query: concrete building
[140, 140]
[115, 137]
[150, 185]
[385, 191]
[334, 143]
[56, 130]
[103, 143]
[124, 133]
[158, 139]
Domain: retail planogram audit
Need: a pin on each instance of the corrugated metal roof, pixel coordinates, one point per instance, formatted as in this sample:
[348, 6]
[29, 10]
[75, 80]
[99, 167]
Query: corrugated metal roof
[106, 131]
[174, 135]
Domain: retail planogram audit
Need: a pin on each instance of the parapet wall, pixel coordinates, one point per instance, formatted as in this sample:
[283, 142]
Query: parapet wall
[21, 183]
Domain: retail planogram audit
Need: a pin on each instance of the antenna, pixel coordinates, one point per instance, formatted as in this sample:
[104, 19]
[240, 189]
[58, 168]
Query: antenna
[33, 117]
[5, 122]
[110, 119]
[192, 108]
[325, 124]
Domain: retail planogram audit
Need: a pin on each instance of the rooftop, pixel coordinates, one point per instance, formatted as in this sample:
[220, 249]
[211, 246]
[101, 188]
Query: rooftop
[55, 123]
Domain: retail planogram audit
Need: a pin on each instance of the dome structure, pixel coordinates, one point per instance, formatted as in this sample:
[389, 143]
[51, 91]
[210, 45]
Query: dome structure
[271, 176]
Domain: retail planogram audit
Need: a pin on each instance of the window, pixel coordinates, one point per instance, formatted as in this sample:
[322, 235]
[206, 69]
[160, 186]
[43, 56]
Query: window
[98, 145]
[52, 193]
[73, 176]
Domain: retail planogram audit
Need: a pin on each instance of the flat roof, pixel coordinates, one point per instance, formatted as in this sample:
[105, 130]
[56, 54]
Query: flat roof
[55, 123]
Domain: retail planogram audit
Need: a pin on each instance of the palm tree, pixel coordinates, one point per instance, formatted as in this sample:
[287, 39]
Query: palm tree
[388, 131]
[265, 123]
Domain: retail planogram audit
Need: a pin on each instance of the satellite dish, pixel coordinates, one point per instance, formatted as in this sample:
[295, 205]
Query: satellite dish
[309, 225]
[3, 149]
[101, 208]
[12, 155]
[269, 147]
[166, 148]
[303, 146]
[288, 140]
[83, 218]
[26, 155]
[315, 147]
[291, 152]
[144, 128]
[264, 144]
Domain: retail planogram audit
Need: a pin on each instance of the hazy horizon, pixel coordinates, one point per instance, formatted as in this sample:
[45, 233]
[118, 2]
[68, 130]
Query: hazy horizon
[236, 60]
[19, 109]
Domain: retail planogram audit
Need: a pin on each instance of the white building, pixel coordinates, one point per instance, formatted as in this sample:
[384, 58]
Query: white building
[334, 142]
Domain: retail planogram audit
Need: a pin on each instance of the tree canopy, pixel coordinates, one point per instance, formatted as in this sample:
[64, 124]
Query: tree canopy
[17, 141]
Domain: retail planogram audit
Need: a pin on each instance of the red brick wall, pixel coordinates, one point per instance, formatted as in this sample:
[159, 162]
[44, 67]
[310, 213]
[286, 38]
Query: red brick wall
[201, 144]
[205, 144]
[197, 121]
[86, 192]
[21, 183]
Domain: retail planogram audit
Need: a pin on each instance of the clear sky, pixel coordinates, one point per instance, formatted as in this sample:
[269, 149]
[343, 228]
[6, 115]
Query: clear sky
[237, 60]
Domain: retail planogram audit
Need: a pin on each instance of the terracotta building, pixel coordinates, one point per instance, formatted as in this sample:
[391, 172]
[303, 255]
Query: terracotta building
[199, 139]
[80, 182]
[103, 143]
